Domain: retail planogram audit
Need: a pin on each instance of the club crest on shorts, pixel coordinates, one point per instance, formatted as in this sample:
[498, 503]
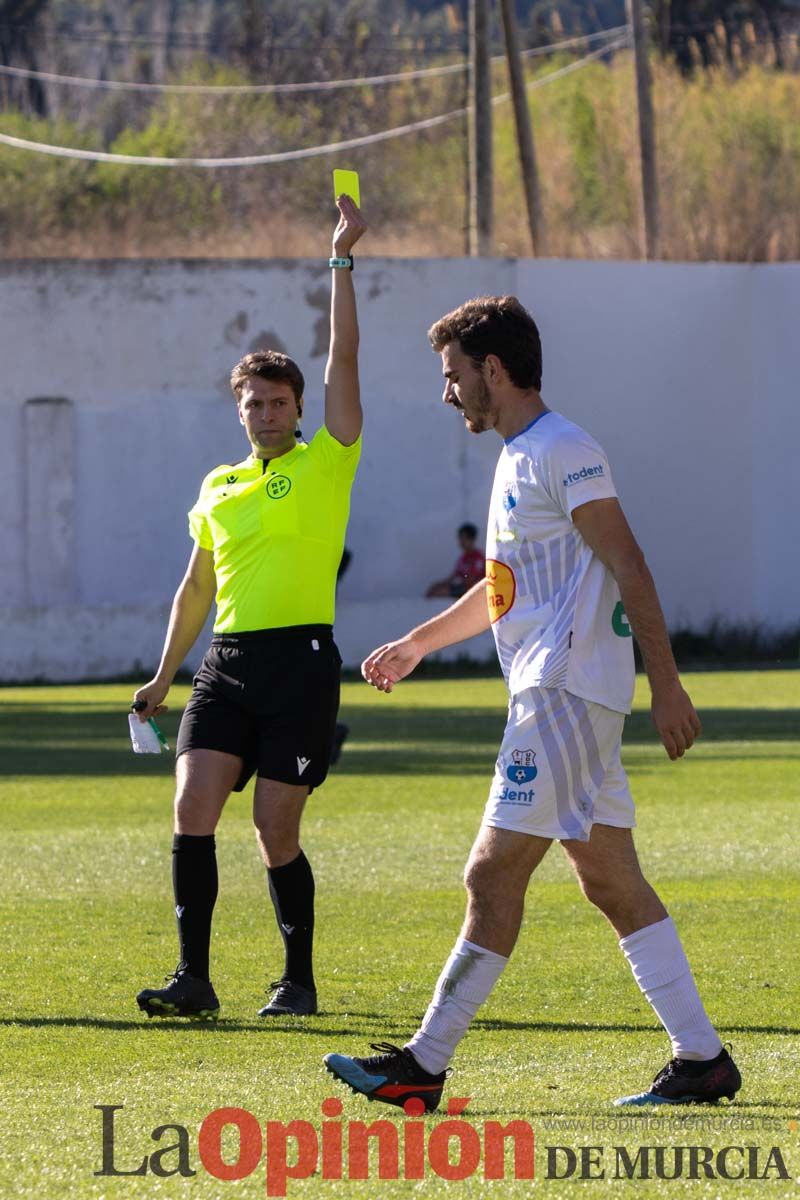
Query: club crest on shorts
[522, 768]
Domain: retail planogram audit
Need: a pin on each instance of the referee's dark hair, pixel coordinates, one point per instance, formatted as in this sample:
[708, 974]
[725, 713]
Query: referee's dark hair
[494, 325]
[268, 364]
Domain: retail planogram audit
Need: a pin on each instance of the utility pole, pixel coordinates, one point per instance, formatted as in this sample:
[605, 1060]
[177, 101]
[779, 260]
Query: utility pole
[647, 141]
[522, 120]
[480, 129]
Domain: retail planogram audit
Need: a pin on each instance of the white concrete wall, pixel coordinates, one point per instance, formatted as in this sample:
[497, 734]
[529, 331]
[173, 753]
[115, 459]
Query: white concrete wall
[686, 373]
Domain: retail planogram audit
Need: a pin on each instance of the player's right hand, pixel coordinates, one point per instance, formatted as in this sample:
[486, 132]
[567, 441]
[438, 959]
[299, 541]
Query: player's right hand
[387, 665]
[152, 694]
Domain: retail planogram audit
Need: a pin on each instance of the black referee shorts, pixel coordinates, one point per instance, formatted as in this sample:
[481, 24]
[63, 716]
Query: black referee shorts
[271, 698]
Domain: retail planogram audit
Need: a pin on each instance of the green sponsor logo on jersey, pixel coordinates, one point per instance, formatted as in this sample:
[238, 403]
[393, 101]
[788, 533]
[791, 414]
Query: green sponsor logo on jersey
[619, 622]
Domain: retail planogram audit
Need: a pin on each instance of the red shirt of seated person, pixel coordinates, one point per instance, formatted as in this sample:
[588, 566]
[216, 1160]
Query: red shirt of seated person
[470, 566]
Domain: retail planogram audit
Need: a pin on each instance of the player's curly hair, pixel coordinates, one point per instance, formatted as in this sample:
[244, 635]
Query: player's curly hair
[268, 364]
[494, 325]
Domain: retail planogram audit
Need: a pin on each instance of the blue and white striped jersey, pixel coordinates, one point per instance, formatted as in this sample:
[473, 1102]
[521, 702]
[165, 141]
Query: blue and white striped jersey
[556, 612]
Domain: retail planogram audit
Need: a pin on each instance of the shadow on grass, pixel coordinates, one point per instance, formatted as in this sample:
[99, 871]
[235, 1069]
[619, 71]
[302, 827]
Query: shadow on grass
[403, 740]
[688, 1115]
[491, 1026]
[228, 1024]
[779, 1106]
[222, 1025]
[586, 1027]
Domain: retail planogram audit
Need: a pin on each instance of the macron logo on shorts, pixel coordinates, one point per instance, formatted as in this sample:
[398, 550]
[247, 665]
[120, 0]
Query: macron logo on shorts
[302, 763]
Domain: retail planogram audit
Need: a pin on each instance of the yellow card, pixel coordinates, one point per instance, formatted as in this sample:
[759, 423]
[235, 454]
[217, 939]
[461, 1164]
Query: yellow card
[345, 183]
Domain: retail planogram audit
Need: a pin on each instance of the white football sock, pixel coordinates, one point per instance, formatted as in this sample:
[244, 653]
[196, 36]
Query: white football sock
[469, 975]
[662, 971]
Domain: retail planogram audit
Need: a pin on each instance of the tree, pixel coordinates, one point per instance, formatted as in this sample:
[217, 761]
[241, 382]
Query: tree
[678, 23]
[20, 32]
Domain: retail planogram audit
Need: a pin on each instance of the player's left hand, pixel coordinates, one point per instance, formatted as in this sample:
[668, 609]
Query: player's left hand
[350, 228]
[675, 718]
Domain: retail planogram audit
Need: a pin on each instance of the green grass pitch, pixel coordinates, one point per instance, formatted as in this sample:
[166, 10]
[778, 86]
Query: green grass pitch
[87, 921]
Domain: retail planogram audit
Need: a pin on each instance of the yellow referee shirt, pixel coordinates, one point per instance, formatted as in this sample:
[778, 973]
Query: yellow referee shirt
[276, 530]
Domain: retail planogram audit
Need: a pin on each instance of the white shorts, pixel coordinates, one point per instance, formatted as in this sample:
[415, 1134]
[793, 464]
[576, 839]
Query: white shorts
[559, 769]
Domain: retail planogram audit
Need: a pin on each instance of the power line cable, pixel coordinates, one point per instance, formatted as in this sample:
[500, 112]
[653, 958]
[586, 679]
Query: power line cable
[231, 89]
[282, 156]
[184, 39]
[264, 89]
[187, 40]
[573, 41]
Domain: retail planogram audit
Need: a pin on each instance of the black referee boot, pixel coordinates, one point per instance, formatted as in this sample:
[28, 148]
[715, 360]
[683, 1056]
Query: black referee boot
[290, 1000]
[185, 996]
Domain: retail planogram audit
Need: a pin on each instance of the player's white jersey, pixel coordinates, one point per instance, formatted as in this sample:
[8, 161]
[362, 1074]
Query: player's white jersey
[556, 612]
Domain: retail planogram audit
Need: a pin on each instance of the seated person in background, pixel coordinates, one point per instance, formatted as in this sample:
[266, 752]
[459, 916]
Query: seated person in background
[470, 567]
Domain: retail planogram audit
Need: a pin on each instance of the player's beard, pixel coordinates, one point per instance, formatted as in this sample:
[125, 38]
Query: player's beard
[479, 419]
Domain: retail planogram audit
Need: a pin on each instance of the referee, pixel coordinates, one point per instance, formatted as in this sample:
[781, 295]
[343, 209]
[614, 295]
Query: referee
[268, 537]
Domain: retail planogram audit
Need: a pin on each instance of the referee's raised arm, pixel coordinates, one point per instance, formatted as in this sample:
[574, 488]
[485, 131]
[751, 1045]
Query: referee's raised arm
[343, 416]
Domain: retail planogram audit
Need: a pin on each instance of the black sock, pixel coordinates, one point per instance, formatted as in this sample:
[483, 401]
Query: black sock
[194, 883]
[292, 890]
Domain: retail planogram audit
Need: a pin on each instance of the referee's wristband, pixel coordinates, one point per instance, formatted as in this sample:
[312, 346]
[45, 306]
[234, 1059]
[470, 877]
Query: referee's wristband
[342, 263]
